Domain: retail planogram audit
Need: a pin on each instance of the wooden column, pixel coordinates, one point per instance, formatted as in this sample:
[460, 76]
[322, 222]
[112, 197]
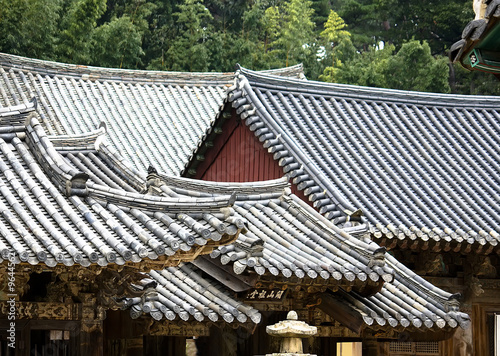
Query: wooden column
[91, 340]
[165, 346]
[221, 342]
[91, 330]
[327, 346]
[23, 345]
[135, 347]
[123, 336]
[371, 347]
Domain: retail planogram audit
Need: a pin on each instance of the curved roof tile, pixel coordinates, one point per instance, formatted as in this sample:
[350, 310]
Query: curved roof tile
[183, 293]
[416, 164]
[404, 297]
[281, 237]
[285, 237]
[153, 117]
[75, 99]
[55, 213]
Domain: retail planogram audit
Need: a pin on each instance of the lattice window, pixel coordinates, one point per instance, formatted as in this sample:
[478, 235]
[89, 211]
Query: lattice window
[414, 348]
[427, 348]
[401, 347]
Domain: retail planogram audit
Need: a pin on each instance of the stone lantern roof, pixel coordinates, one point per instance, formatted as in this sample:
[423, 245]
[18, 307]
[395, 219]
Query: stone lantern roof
[291, 331]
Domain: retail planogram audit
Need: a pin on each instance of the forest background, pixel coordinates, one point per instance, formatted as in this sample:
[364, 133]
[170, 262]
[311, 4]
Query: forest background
[399, 44]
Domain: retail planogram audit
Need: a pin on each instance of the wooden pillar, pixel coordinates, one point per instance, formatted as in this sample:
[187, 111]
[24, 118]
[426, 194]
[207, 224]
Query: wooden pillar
[165, 346]
[135, 347]
[23, 345]
[327, 346]
[221, 342]
[91, 338]
[91, 329]
[371, 347]
[463, 342]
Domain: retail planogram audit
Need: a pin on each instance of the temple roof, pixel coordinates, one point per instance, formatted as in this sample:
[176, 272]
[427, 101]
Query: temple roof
[414, 165]
[280, 234]
[288, 241]
[112, 205]
[55, 213]
[153, 117]
[185, 293]
[408, 302]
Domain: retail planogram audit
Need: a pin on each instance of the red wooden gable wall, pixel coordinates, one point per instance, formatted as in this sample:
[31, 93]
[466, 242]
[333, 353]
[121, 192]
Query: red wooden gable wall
[238, 156]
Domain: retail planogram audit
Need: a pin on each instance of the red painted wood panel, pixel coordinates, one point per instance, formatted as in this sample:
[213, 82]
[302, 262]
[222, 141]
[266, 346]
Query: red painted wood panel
[238, 156]
[242, 159]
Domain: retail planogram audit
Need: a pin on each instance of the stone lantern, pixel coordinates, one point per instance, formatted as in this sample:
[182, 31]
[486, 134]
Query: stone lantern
[291, 331]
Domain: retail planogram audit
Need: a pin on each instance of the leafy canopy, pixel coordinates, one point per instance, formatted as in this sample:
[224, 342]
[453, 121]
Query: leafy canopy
[336, 40]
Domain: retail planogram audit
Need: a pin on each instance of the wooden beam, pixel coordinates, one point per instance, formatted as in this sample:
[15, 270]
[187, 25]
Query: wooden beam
[342, 313]
[224, 274]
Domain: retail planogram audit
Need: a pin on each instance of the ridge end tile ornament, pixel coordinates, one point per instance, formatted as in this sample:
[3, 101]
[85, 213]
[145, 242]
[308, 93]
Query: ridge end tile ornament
[292, 331]
[479, 48]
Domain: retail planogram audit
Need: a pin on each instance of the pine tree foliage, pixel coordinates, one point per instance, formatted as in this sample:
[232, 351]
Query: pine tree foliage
[364, 42]
[77, 26]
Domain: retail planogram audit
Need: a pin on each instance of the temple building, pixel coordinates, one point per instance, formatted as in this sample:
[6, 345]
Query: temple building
[154, 207]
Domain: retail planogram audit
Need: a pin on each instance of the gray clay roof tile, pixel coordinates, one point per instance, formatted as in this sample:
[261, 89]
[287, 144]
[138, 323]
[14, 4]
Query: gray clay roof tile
[53, 212]
[285, 237]
[153, 118]
[106, 220]
[416, 164]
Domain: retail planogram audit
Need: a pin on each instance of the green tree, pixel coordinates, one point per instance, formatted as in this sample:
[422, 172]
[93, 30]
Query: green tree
[439, 23]
[77, 26]
[337, 45]
[414, 68]
[227, 49]
[29, 27]
[321, 12]
[227, 14]
[117, 44]
[366, 68]
[189, 51]
[365, 24]
[272, 24]
[118, 39]
[160, 33]
[297, 29]
[289, 32]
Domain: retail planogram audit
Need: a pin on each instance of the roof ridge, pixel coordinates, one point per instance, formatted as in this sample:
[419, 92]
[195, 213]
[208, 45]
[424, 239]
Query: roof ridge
[154, 203]
[84, 141]
[85, 72]
[284, 150]
[69, 180]
[296, 71]
[355, 92]
[128, 172]
[88, 223]
[216, 188]
[73, 182]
